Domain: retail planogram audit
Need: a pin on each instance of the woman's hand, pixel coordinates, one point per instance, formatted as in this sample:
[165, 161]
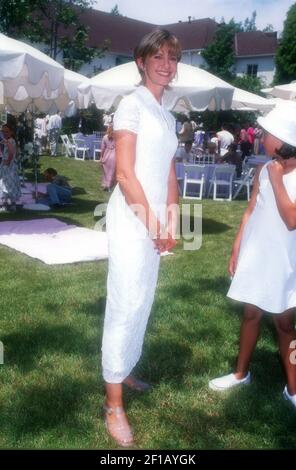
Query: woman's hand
[164, 241]
[233, 262]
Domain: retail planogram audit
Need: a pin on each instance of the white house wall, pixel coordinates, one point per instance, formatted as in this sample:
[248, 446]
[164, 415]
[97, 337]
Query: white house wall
[192, 58]
[266, 67]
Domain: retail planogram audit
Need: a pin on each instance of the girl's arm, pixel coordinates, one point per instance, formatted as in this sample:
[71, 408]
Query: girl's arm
[286, 207]
[125, 148]
[237, 241]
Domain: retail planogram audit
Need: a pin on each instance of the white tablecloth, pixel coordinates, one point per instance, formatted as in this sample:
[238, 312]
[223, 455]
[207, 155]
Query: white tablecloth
[208, 174]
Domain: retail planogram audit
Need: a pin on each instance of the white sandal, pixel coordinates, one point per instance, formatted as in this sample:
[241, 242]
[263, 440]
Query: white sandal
[120, 430]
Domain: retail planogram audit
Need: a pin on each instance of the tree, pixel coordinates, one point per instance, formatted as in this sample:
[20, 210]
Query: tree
[52, 22]
[250, 23]
[249, 83]
[76, 52]
[286, 53]
[268, 28]
[15, 15]
[219, 55]
[115, 11]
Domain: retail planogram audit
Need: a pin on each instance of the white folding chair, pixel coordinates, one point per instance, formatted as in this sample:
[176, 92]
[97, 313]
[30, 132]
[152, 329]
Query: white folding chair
[97, 150]
[209, 159]
[73, 137]
[194, 176]
[222, 178]
[246, 180]
[80, 149]
[68, 147]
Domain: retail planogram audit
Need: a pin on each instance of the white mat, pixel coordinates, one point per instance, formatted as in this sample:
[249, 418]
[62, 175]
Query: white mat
[53, 241]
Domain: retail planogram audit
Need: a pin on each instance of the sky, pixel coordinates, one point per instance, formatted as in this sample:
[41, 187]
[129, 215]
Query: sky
[171, 11]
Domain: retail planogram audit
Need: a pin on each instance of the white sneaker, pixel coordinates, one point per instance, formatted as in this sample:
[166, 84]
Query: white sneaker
[287, 396]
[228, 381]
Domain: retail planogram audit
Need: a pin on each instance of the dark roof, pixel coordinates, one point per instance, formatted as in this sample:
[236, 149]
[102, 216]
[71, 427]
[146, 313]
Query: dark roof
[124, 33]
[196, 34]
[254, 43]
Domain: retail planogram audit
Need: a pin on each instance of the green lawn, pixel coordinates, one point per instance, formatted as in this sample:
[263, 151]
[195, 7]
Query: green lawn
[51, 391]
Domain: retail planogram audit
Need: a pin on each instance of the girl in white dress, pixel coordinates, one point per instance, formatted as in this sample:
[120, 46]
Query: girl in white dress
[263, 259]
[137, 224]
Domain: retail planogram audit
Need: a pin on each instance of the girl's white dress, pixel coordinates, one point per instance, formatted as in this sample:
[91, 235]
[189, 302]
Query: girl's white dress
[266, 270]
[133, 261]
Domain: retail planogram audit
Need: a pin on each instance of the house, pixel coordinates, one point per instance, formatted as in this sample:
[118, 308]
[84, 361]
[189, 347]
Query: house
[255, 54]
[254, 51]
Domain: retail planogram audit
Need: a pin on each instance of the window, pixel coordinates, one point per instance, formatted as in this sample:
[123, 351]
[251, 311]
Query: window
[252, 70]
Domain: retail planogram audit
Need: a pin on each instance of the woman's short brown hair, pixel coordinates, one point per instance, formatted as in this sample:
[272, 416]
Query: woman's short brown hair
[153, 41]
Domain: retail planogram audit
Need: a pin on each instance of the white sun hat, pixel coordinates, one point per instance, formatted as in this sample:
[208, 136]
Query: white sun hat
[281, 122]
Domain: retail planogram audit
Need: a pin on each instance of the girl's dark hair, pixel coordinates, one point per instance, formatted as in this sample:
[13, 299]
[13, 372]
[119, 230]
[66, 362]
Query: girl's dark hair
[51, 171]
[153, 41]
[286, 151]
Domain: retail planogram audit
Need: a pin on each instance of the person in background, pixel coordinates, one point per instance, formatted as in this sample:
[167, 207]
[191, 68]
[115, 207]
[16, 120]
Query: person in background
[40, 130]
[233, 157]
[186, 133]
[58, 190]
[244, 143]
[185, 154]
[251, 136]
[54, 127]
[225, 139]
[10, 188]
[263, 258]
[108, 159]
[258, 134]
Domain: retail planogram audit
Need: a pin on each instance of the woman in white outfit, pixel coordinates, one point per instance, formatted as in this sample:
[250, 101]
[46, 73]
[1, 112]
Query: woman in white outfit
[263, 259]
[137, 223]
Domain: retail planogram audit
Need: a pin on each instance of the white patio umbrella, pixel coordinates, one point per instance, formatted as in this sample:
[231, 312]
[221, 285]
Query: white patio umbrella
[286, 92]
[57, 100]
[25, 73]
[245, 101]
[194, 89]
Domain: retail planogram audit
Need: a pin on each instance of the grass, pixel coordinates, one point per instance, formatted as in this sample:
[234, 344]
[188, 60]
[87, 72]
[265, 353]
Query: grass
[51, 390]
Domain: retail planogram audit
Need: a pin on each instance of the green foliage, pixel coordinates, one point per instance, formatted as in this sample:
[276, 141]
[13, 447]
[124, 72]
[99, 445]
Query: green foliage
[53, 22]
[213, 120]
[75, 49]
[115, 11]
[268, 29]
[250, 23]
[219, 54]
[16, 16]
[86, 121]
[286, 53]
[250, 83]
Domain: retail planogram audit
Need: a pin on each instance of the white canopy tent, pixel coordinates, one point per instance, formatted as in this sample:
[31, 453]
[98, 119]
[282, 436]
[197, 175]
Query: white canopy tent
[193, 89]
[245, 101]
[26, 74]
[285, 92]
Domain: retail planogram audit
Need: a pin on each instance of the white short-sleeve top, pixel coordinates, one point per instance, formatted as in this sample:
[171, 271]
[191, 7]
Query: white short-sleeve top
[156, 143]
